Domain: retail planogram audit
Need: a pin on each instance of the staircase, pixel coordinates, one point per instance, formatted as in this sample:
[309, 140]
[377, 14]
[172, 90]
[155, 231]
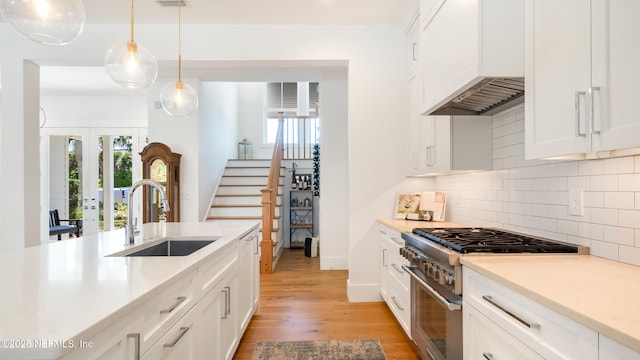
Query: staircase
[239, 198]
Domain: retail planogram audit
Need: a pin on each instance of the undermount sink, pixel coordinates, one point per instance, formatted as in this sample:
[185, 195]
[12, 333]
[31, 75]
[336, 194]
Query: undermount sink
[172, 248]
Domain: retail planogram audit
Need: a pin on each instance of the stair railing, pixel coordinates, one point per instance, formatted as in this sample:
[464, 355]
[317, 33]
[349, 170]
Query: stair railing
[269, 196]
[300, 133]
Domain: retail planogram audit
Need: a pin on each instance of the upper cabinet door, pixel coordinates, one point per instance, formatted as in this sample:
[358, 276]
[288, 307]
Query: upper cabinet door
[581, 61]
[616, 73]
[557, 77]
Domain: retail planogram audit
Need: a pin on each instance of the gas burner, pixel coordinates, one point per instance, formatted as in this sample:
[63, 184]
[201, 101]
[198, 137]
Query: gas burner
[471, 240]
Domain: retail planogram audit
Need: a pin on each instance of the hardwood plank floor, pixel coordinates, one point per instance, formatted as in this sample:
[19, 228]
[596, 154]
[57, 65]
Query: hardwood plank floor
[300, 302]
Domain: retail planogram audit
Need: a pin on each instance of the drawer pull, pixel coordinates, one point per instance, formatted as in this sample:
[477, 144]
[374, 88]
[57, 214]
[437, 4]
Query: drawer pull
[382, 232]
[226, 301]
[490, 300]
[393, 298]
[398, 269]
[488, 356]
[395, 240]
[179, 301]
[183, 330]
[136, 337]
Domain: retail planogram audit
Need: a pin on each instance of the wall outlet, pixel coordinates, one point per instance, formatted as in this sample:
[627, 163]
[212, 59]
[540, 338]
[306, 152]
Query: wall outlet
[576, 202]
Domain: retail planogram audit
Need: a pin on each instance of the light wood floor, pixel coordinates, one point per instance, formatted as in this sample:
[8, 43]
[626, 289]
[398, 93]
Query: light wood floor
[300, 302]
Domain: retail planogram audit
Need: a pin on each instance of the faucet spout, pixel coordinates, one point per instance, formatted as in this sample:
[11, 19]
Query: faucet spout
[164, 206]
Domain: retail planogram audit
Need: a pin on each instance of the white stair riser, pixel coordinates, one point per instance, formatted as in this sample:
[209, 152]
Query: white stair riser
[240, 190]
[232, 171]
[238, 211]
[241, 163]
[241, 200]
[253, 180]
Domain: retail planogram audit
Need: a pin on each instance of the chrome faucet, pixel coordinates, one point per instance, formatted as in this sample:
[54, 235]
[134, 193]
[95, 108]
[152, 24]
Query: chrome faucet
[131, 230]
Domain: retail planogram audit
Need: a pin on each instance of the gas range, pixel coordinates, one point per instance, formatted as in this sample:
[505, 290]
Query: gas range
[434, 253]
[436, 278]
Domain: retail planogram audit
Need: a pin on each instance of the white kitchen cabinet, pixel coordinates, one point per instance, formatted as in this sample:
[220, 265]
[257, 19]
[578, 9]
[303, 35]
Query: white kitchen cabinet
[544, 331]
[413, 136]
[412, 46]
[463, 42]
[454, 143]
[611, 350]
[484, 339]
[179, 343]
[581, 61]
[248, 279]
[395, 283]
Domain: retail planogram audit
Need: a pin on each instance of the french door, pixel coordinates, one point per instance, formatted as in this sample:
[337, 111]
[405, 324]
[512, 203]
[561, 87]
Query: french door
[86, 174]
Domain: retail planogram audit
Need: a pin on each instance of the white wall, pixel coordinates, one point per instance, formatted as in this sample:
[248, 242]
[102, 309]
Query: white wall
[95, 111]
[218, 133]
[251, 113]
[532, 196]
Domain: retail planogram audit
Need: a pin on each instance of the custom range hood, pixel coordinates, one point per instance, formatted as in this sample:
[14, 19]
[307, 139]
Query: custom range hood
[486, 97]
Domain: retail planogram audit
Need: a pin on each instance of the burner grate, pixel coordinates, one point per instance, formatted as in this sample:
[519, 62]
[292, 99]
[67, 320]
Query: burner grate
[474, 240]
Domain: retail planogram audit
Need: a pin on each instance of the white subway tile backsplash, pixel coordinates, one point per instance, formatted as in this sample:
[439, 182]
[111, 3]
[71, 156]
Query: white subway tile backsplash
[604, 183]
[623, 165]
[532, 196]
[629, 182]
[604, 249]
[619, 200]
[619, 235]
[591, 167]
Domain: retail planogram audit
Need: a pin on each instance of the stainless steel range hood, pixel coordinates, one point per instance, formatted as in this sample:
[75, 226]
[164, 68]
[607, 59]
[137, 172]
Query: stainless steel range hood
[486, 97]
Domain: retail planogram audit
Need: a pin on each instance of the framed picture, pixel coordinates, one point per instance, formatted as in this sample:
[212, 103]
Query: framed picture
[407, 203]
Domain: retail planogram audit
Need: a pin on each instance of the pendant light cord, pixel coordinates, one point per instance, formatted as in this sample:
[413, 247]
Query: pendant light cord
[132, 21]
[179, 43]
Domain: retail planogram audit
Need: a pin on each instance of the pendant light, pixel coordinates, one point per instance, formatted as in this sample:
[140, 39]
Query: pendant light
[130, 64]
[177, 98]
[48, 22]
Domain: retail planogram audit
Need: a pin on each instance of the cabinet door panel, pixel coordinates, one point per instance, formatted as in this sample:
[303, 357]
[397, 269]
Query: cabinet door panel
[557, 63]
[616, 55]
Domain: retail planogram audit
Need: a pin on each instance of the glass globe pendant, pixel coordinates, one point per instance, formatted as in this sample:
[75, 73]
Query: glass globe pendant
[179, 99]
[48, 22]
[131, 65]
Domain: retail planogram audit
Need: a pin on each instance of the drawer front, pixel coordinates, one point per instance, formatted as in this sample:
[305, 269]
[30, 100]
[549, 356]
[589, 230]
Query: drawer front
[399, 303]
[164, 310]
[212, 270]
[483, 339]
[547, 332]
[179, 342]
[395, 269]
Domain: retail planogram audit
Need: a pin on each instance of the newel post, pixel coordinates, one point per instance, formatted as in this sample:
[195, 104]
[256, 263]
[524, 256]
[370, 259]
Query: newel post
[266, 245]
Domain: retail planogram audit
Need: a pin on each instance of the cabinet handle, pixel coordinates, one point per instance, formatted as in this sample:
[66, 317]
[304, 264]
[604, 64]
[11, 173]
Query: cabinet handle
[257, 245]
[395, 240]
[490, 300]
[226, 297]
[397, 269]
[136, 338]
[592, 108]
[414, 52]
[488, 356]
[228, 305]
[382, 232]
[578, 133]
[393, 298]
[183, 330]
[179, 301]
[384, 257]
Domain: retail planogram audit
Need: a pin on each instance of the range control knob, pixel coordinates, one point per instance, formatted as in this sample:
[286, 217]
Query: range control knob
[442, 277]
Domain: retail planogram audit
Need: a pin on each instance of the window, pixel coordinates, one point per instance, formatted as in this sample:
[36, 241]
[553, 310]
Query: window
[284, 97]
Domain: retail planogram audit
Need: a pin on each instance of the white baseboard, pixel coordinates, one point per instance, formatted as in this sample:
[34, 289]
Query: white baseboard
[363, 292]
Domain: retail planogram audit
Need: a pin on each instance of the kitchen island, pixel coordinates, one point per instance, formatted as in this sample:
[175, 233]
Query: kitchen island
[62, 297]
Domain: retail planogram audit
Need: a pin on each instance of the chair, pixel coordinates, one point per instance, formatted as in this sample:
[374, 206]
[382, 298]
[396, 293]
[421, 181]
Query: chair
[55, 228]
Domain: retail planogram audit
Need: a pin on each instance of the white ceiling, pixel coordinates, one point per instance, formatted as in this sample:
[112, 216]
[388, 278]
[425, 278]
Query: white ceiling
[250, 11]
[55, 80]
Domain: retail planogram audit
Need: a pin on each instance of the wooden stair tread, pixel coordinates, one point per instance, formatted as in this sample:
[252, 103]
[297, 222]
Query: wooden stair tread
[237, 217]
[241, 195]
[240, 206]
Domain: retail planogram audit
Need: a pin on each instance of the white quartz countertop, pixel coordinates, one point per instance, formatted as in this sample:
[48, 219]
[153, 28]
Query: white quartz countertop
[70, 289]
[601, 294]
[408, 225]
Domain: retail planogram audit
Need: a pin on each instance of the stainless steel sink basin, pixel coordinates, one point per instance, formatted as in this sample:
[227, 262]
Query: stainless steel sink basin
[172, 248]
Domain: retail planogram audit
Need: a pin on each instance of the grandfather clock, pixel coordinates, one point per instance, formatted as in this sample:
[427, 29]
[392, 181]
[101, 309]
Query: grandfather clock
[161, 165]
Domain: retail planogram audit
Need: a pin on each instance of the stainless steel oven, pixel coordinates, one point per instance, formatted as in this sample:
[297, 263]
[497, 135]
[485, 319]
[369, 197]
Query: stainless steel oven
[436, 322]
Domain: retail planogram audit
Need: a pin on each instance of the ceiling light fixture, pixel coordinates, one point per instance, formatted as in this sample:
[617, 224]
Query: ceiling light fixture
[177, 98]
[130, 64]
[48, 22]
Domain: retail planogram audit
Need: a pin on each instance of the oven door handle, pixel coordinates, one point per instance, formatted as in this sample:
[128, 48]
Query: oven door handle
[448, 304]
